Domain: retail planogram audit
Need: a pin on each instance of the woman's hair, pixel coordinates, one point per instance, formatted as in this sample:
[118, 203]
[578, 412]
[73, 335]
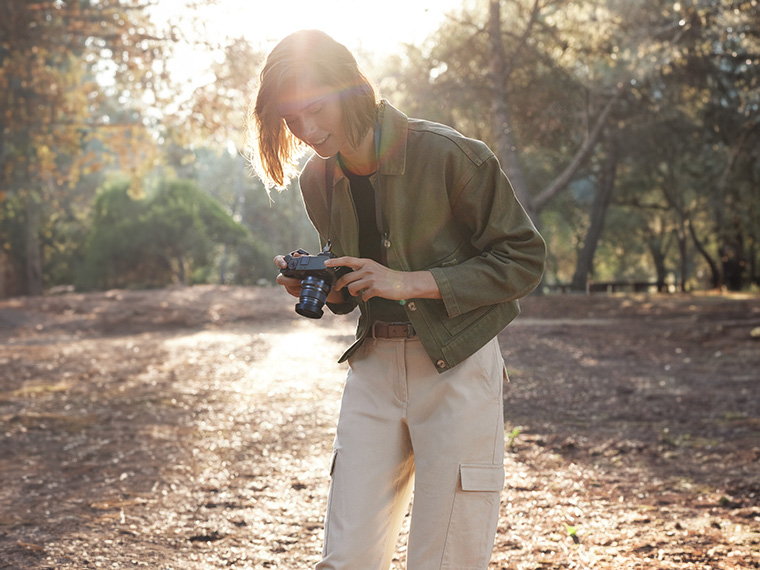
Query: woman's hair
[275, 150]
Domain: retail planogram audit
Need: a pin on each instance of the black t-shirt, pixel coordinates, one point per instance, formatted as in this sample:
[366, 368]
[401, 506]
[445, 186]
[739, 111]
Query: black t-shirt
[370, 241]
[364, 201]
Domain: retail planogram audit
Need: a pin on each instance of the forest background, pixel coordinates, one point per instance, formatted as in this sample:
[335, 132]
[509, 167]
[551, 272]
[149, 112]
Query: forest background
[630, 132]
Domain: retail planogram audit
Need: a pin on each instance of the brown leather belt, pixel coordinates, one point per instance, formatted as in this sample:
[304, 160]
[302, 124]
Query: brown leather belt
[393, 330]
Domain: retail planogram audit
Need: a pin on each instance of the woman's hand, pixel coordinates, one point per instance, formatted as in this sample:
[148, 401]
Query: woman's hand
[372, 279]
[291, 284]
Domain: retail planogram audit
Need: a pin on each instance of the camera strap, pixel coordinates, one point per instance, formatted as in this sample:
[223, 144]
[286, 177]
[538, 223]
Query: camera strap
[329, 181]
[384, 241]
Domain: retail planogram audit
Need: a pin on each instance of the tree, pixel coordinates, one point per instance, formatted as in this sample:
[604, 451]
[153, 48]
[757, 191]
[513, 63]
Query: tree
[537, 106]
[169, 237]
[599, 207]
[700, 114]
[52, 71]
[542, 81]
[216, 115]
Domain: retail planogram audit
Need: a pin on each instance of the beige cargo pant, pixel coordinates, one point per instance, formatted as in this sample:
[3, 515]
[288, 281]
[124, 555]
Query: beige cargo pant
[403, 425]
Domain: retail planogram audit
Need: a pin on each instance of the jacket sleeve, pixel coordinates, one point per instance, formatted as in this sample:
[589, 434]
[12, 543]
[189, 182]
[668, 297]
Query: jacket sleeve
[512, 252]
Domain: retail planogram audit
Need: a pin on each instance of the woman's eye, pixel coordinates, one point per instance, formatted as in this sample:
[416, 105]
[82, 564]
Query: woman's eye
[315, 110]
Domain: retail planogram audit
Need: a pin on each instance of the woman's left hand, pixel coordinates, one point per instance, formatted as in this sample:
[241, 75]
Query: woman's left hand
[373, 279]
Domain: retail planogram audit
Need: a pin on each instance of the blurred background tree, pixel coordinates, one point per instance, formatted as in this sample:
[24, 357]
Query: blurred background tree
[168, 237]
[69, 74]
[645, 113]
[630, 131]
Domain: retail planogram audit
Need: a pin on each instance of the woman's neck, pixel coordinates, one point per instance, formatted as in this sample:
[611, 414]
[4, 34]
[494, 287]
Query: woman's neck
[361, 160]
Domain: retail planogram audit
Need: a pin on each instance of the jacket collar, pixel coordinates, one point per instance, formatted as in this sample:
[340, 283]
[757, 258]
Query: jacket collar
[393, 124]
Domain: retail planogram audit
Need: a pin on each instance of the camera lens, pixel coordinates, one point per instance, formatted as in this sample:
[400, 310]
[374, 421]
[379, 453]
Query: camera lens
[314, 292]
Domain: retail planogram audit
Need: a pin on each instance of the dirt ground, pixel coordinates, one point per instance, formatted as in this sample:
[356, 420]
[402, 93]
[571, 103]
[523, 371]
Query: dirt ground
[191, 428]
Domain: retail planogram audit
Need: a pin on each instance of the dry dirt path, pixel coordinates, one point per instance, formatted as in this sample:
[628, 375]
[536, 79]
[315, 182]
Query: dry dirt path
[191, 429]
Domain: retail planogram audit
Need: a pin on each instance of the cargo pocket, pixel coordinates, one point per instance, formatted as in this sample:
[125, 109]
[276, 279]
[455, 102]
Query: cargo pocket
[478, 477]
[474, 517]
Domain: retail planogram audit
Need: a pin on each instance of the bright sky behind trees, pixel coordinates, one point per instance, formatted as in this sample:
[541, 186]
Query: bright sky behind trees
[359, 24]
[370, 30]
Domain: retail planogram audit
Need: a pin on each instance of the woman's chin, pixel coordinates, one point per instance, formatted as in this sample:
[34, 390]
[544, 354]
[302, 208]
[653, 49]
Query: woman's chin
[324, 152]
[326, 149]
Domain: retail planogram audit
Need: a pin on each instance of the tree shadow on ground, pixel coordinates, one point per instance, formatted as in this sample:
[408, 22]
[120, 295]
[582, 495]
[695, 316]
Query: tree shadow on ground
[654, 405]
[191, 428]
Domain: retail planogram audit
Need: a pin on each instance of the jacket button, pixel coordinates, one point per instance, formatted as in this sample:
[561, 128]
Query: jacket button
[387, 243]
[441, 364]
[412, 306]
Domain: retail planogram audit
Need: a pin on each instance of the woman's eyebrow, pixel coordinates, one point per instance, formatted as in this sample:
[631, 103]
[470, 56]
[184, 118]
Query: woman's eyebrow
[293, 107]
[309, 105]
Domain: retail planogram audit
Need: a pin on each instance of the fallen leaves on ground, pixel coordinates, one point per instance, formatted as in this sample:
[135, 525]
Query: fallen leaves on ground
[191, 428]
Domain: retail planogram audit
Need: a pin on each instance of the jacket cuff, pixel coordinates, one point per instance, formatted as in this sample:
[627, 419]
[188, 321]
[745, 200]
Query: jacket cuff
[342, 308]
[348, 305]
[447, 292]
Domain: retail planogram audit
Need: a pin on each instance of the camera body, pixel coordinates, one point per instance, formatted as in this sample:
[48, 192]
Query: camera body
[316, 280]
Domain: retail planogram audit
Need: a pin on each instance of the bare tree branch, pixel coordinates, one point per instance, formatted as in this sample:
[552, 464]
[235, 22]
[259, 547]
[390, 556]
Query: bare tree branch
[510, 66]
[566, 176]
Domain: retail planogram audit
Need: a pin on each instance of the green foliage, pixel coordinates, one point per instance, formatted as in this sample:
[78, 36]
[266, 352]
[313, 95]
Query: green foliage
[685, 205]
[12, 238]
[77, 80]
[279, 224]
[511, 437]
[63, 246]
[572, 532]
[64, 67]
[171, 236]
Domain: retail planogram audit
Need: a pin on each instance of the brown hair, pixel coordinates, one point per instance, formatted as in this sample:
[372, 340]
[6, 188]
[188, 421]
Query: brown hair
[329, 63]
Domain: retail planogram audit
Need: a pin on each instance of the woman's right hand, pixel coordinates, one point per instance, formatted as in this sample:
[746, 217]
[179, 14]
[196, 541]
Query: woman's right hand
[291, 284]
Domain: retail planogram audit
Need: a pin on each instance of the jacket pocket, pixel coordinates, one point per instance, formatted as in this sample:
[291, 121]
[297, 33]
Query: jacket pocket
[455, 325]
[460, 253]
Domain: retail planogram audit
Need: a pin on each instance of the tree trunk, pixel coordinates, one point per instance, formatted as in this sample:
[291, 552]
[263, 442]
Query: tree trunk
[564, 178]
[223, 264]
[754, 277]
[33, 254]
[733, 261]
[3, 280]
[683, 252]
[598, 215]
[506, 146]
[675, 198]
[181, 278]
[658, 256]
[715, 277]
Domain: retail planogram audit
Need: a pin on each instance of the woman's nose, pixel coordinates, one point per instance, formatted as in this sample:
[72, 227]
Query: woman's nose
[308, 127]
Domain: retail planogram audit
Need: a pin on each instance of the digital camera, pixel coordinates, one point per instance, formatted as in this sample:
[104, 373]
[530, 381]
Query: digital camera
[316, 280]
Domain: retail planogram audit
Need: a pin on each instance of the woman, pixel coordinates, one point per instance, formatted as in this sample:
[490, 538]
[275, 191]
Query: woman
[440, 251]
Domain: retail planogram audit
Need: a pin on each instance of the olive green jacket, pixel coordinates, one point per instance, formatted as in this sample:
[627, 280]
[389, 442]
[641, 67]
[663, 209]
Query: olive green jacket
[448, 208]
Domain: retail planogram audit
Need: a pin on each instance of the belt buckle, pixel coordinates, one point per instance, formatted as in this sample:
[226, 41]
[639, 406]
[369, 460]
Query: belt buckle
[400, 330]
[394, 330]
[410, 332]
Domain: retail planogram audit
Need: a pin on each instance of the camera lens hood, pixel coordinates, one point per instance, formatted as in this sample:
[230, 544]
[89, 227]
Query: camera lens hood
[314, 292]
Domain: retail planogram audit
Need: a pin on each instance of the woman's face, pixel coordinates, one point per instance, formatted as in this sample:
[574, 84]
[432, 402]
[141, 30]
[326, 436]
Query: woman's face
[313, 114]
